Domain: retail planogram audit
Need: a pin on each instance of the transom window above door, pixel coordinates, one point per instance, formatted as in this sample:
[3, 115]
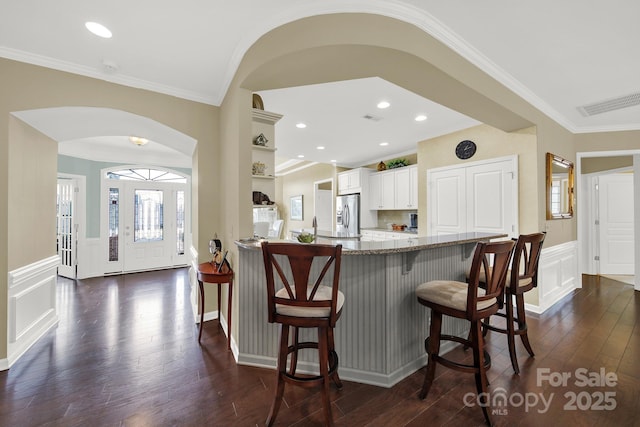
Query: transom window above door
[145, 174]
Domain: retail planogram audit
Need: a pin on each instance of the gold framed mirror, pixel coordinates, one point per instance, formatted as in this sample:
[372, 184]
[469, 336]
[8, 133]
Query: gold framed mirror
[559, 183]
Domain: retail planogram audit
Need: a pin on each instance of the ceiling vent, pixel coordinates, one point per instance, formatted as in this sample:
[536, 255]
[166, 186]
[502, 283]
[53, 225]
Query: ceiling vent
[372, 117]
[610, 105]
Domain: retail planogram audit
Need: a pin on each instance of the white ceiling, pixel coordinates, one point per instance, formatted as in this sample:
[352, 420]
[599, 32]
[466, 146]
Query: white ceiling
[556, 55]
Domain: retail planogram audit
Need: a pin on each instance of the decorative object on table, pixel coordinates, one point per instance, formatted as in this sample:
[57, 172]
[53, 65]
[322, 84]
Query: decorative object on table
[305, 237]
[261, 140]
[296, 208]
[215, 249]
[257, 102]
[258, 168]
[382, 167]
[465, 149]
[259, 198]
[398, 227]
[397, 163]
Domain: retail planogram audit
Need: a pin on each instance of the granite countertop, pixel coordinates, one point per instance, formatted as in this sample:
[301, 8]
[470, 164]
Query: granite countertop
[386, 230]
[328, 234]
[357, 247]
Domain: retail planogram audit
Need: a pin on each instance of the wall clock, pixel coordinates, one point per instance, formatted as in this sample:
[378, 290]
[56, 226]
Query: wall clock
[465, 149]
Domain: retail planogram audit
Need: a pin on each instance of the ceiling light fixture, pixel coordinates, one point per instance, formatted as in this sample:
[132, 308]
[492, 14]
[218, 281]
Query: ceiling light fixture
[300, 156]
[98, 29]
[421, 118]
[383, 104]
[138, 140]
[384, 144]
[320, 147]
[301, 125]
[333, 161]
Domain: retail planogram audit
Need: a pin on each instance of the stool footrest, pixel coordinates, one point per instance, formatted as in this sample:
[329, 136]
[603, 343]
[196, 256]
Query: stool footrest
[463, 367]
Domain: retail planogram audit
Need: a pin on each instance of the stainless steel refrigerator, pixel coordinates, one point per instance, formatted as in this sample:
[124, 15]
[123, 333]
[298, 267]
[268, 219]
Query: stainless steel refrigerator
[348, 214]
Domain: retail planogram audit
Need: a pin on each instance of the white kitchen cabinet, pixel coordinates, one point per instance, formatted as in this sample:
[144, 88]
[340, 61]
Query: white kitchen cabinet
[382, 187]
[396, 189]
[351, 181]
[406, 188]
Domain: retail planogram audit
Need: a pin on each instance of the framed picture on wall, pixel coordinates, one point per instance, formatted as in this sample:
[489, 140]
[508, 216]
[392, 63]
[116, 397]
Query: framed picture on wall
[296, 208]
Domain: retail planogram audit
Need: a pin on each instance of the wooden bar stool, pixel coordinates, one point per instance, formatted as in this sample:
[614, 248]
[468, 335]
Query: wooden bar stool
[522, 277]
[466, 301]
[301, 301]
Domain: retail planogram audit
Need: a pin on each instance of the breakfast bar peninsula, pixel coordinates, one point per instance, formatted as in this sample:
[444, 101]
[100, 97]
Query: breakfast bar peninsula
[380, 335]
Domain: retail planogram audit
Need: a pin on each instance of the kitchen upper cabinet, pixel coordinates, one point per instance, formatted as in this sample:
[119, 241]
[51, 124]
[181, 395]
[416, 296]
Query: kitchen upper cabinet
[395, 189]
[351, 181]
[383, 187]
[406, 188]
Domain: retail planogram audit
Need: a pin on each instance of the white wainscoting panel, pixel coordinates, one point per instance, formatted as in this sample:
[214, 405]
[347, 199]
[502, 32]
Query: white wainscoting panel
[558, 275]
[90, 258]
[31, 305]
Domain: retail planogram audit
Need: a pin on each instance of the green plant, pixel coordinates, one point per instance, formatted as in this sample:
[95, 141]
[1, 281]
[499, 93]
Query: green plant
[305, 237]
[397, 163]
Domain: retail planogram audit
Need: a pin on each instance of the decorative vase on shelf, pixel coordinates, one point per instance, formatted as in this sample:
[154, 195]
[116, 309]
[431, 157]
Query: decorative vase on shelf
[261, 140]
[258, 168]
[382, 167]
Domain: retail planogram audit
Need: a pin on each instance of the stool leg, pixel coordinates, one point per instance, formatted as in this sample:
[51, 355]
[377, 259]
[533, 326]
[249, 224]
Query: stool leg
[323, 357]
[432, 346]
[282, 367]
[333, 360]
[511, 334]
[482, 385]
[522, 324]
[294, 354]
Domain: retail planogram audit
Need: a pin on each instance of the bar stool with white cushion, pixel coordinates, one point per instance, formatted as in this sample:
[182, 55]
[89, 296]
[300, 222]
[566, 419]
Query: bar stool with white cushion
[307, 278]
[466, 301]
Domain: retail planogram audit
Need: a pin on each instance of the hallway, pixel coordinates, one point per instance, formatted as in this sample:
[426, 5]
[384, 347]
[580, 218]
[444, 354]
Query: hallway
[126, 353]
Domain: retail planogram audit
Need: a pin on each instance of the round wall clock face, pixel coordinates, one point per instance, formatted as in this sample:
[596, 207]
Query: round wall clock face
[465, 149]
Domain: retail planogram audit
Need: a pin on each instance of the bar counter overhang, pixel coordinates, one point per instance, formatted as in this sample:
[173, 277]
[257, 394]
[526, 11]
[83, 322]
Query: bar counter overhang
[380, 335]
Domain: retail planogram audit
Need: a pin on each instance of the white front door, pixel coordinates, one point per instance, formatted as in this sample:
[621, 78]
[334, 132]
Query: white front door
[147, 225]
[479, 197]
[66, 227]
[616, 217]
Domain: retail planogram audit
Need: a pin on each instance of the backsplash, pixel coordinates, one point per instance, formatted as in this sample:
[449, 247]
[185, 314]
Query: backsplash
[393, 217]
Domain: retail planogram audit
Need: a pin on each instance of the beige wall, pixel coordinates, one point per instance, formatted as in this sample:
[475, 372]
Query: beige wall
[601, 164]
[32, 195]
[302, 182]
[23, 150]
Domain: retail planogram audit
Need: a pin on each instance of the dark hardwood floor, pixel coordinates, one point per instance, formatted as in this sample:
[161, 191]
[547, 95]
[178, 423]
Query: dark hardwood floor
[126, 354]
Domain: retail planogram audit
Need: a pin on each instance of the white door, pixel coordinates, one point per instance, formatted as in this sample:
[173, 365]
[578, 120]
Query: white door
[446, 201]
[323, 207]
[147, 225]
[480, 197]
[489, 196]
[616, 216]
[66, 227]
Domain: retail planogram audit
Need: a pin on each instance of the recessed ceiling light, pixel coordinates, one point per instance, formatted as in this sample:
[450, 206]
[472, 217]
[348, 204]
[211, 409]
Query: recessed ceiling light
[421, 118]
[384, 144]
[138, 140]
[300, 156]
[333, 161]
[98, 29]
[320, 147]
[301, 125]
[383, 104]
